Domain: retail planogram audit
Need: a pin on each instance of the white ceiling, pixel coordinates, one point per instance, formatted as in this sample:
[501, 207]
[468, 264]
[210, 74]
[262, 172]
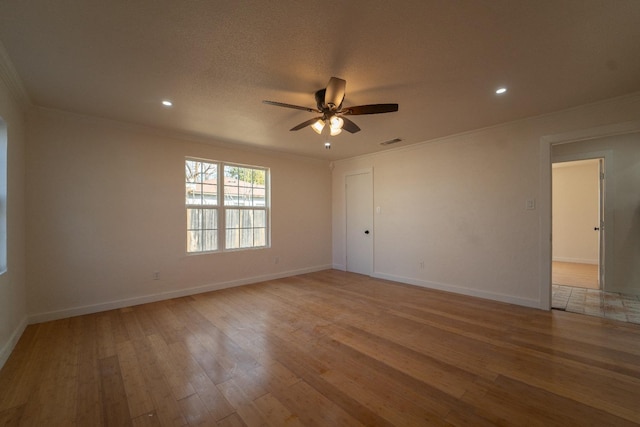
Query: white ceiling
[440, 60]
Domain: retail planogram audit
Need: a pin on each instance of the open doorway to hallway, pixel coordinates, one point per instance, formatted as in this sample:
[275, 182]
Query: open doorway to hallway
[578, 283]
[619, 296]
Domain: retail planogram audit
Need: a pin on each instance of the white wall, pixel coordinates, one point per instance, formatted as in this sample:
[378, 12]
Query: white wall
[458, 205]
[13, 311]
[622, 228]
[575, 212]
[105, 204]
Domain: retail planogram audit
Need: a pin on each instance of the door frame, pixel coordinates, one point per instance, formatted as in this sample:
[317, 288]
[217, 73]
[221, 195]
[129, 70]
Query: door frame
[544, 289]
[608, 198]
[344, 215]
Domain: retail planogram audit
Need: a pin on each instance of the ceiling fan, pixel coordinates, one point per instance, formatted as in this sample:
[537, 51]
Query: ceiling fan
[329, 104]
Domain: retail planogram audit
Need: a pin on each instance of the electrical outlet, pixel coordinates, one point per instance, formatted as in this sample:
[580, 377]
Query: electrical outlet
[276, 260]
[156, 275]
[421, 265]
[531, 204]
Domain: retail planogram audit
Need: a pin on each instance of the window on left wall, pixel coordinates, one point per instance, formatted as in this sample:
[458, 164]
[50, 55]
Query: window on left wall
[227, 206]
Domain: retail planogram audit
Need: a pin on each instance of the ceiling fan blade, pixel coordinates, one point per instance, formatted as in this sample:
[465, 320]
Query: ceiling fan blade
[305, 124]
[349, 126]
[370, 109]
[335, 93]
[295, 107]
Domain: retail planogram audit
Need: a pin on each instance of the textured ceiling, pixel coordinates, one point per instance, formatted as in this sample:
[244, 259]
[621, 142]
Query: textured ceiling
[217, 60]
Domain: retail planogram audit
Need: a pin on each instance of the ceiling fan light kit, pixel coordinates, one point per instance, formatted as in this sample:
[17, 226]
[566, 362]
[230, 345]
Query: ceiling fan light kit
[329, 104]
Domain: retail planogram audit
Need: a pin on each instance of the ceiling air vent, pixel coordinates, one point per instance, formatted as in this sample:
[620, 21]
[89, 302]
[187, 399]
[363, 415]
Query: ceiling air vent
[391, 141]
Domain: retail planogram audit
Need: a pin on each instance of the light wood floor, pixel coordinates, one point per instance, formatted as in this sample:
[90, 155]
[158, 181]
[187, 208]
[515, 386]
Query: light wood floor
[328, 348]
[575, 274]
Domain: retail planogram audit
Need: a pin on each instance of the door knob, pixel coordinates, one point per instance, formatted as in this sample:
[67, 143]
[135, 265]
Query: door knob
[596, 228]
[366, 231]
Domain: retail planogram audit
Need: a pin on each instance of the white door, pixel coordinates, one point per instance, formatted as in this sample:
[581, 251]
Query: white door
[359, 207]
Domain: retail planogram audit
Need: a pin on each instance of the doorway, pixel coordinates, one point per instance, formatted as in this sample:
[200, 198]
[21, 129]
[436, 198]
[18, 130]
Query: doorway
[359, 222]
[578, 223]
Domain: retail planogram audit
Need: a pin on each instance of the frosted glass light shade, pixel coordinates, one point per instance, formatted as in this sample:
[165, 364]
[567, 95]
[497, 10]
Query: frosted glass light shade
[318, 126]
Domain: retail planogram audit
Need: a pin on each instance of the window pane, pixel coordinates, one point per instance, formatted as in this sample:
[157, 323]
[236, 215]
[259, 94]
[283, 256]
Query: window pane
[259, 237]
[194, 219]
[246, 218]
[245, 194]
[201, 182]
[200, 241]
[232, 219]
[209, 240]
[202, 233]
[209, 194]
[209, 219]
[193, 195]
[246, 238]
[193, 241]
[190, 170]
[258, 177]
[259, 219]
[209, 172]
[244, 186]
[233, 238]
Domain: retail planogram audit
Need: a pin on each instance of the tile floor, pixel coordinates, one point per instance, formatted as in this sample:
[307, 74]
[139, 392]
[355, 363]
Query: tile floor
[594, 302]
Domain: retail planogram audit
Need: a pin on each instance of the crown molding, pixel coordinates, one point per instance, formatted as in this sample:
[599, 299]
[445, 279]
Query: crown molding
[10, 77]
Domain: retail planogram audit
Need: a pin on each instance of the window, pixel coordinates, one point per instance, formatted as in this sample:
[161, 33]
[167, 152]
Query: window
[227, 206]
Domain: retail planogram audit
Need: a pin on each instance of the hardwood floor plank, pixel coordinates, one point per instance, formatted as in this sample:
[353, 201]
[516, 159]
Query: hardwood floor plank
[114, 403]
[88, 386]
[29, 365]
[442, 376]
[314, 408]
[211, 397]
[324, 349]
[169, 367]
[314, 393]
[52, 401]
[381, 382]
[11, 417]
[105, 335]
[503, 404]
[241, 403]
[196, 412]
[146, 420]
[166, 407]
[275, 413]
[16, 372]
[232, 420]
[135, 385]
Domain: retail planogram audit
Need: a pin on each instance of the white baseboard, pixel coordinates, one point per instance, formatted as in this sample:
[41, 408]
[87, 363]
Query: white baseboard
[13, 340]
[128, 302]
[339, 267]
[576, 260]
[532, 303]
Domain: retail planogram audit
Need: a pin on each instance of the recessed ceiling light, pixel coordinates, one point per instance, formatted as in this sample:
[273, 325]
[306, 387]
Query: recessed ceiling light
[501, 90]
[167, 103]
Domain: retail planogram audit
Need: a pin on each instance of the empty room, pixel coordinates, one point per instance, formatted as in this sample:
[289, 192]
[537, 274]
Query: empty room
[301, 213]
